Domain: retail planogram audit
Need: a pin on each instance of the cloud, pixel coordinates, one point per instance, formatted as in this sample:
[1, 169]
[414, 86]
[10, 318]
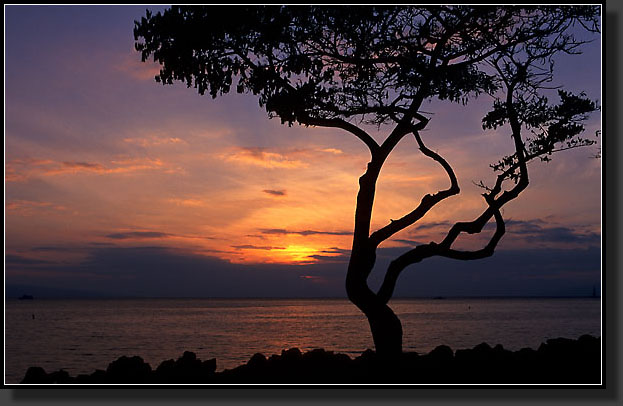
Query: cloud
[517, 272]
[315, 279]
[333, 255]
[30, 207]
[256, 247]
[529, 232]
[23, 169]
[87, 166]
[332, 151]
[275, 192]
[302, 232]
[189, 202]
[139, 235]
[434, 224]
[263, 158]
[330, 259]
[10, 259]
[154, 141]
[131, 65]
[407, 242]
[539, 230]
[170, 272]
[53, 248]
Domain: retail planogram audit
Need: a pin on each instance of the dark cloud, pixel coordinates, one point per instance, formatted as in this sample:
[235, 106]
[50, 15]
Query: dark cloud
[138, 234]
[541, 231]
[336, 250]
[434, 224]
[330, 258]
[525, 272]
[275, 192]
[52, 248]
[408, 242]
[169, 272]
[21, 260]
[85, 165]
[339, 255]
[531, 231]
[567, 235]
[256, 247]
[302, 232]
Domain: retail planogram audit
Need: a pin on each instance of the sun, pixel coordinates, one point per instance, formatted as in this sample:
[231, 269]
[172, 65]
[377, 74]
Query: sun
[299, 254]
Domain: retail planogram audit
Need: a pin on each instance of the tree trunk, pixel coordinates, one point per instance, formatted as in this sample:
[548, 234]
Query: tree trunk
[384, 324]
[386, 332]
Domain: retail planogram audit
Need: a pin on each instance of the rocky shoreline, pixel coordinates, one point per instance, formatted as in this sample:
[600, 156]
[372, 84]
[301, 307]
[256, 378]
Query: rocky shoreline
[558, 361]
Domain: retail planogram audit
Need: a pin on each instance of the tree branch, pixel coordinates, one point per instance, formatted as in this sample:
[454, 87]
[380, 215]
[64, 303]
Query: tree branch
[424, 251]
[426, 203]
[344, 125]
[373, 146]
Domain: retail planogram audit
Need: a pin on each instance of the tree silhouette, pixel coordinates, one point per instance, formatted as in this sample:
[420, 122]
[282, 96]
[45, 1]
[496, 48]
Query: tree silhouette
[353, 67]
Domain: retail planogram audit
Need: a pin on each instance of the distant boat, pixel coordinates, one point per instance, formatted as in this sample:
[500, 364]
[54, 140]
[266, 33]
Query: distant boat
[26, 297]
[439, 298]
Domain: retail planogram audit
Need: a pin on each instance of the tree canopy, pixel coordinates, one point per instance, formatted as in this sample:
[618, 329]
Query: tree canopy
[352, 67]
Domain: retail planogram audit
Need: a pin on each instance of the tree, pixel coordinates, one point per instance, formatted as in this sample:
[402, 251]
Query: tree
[349, 68]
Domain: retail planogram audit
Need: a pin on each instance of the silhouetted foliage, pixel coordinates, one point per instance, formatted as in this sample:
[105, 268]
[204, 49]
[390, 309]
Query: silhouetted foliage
[348, 67]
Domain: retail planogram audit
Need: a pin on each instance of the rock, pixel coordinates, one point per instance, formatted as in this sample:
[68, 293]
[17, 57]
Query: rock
[128, 370]
[442, 353]
[258, 361]
[558, 360]
[187, 369]
[36, 375]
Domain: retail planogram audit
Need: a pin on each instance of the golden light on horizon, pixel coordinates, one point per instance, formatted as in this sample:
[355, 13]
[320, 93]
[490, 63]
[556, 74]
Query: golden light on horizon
[286, 255]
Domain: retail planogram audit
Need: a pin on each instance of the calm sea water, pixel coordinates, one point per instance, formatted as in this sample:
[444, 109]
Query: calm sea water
[80, 336]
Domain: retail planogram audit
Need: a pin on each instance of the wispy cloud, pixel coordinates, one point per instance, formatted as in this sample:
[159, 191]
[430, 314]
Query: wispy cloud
[189, 202]
[302, 232]
[263, 158]
[154, 141]
[131, 65]
[332, 255]
[24, 169]
[10, 259]
[541, 231]
[332, 151]
[30, 207]
[139, 235]
[433, 225]
[256, 247]
[274, 192]
[314, 279]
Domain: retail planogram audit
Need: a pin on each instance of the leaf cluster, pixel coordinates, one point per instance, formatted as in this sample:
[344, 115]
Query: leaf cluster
[332, 61]
[554, 127]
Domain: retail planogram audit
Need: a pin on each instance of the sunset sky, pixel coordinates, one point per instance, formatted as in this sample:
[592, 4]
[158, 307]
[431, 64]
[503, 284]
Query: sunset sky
[118, 185]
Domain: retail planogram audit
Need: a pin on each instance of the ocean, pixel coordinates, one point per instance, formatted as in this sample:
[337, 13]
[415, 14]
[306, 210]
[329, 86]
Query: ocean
[80, 336]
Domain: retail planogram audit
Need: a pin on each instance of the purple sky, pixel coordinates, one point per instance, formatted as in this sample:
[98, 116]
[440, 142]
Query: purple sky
[115, 184]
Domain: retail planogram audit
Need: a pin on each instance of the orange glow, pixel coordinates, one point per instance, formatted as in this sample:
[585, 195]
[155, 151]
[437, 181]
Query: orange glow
[297, 254]
[291, 254]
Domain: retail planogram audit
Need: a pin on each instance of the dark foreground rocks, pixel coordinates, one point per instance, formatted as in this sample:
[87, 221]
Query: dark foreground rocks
[559, 361]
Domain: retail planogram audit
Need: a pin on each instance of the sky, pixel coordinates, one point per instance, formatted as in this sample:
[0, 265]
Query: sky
[117, 185]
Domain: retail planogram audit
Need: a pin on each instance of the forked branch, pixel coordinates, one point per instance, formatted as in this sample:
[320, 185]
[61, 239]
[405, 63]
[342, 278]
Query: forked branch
[427, 202]
[431, 249]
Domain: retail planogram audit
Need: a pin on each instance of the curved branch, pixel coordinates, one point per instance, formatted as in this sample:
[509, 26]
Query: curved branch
[321, 122]
[427, 202]
[345, 125]
[487, 251]
[424, 251]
